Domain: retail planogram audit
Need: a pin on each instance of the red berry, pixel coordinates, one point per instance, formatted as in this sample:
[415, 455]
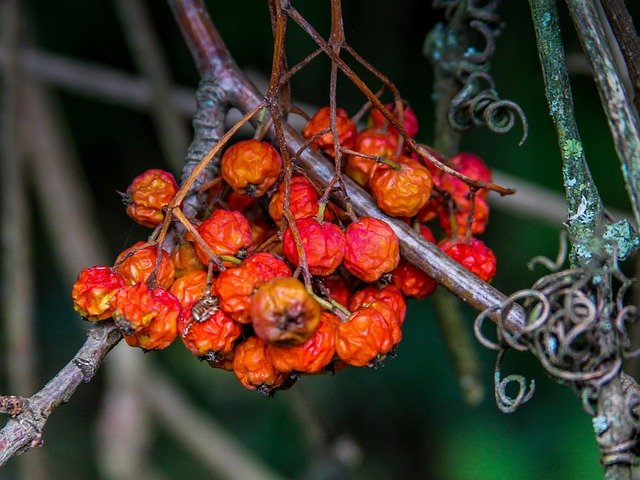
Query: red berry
[254, 368]
[226, 232]
[303, 200]
[372, 249]
[323, 243]
[370, 142]
[475, 256]
[377, 120]
[93, 290]
[363, 337]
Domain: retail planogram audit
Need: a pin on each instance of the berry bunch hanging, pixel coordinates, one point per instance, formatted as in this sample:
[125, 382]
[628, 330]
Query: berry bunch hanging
[270, 279]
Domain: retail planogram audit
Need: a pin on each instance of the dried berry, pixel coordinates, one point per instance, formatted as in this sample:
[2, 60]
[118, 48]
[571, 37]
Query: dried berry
[389, 294]
[363, 338]
[254, 368]
[212, 334]
[251, 167]
[235, 287]
[303, 200]
[283, 312]
[372, 249]
[370, 142]
[414, 283]
[148, 195]
[226, 232]
[321, 120]
[474, 255]
[402, 189]
[337, 289]
[323, 243]
[184, 259]
[137, 264]
[312, 355]
[93, 290]
[147, 318]
[266, 266]
[191, 287]
[410, 121]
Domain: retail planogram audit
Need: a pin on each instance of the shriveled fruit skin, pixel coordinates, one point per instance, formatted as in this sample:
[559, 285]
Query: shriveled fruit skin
[93, 290]
[363, 337]
[324, 245]
[254, 368]
[251, 167]
[226, 232]
[474, 255]
[148, 195]
[283, 312]
[372, 249]
[346, 130]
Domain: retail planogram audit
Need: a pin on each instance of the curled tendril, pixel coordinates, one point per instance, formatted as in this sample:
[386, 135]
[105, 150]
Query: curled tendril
[475, 24]
[505, 402]
[576, 330]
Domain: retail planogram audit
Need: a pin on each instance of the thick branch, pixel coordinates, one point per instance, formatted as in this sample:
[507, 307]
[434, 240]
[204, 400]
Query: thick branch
[24, 432]
[622, 118]
[204, 40]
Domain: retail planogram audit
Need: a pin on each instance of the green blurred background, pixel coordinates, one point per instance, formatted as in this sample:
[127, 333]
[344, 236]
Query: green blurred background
[407, 419]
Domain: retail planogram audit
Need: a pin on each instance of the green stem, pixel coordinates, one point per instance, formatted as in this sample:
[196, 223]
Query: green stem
[584, 206]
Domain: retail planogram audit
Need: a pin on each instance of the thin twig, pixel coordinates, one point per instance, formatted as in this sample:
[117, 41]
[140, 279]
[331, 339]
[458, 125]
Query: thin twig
[24, 432]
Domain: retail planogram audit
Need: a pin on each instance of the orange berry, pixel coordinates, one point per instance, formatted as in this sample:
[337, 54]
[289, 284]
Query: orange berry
[148, 195]
[363, 338]
[283, 312]
[303, 200]
[191, 287]
[404, 191]
[312, 355]
[147, 318]
[136, 264]
[211, 335]
[266, 266]
[371, 142]
[226, 232]
[251, 167]
[321, 120]
[254, 368]
[184, 259]
[235, 288]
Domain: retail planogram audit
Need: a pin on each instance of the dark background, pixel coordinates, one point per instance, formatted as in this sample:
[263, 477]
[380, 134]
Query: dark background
[407, 417]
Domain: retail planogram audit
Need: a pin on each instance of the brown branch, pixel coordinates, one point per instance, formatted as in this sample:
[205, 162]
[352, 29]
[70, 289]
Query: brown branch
[204, 40]
[24, 432]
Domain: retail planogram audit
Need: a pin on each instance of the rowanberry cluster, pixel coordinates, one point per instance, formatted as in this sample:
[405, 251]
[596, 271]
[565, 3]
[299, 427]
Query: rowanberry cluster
[273, 281]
